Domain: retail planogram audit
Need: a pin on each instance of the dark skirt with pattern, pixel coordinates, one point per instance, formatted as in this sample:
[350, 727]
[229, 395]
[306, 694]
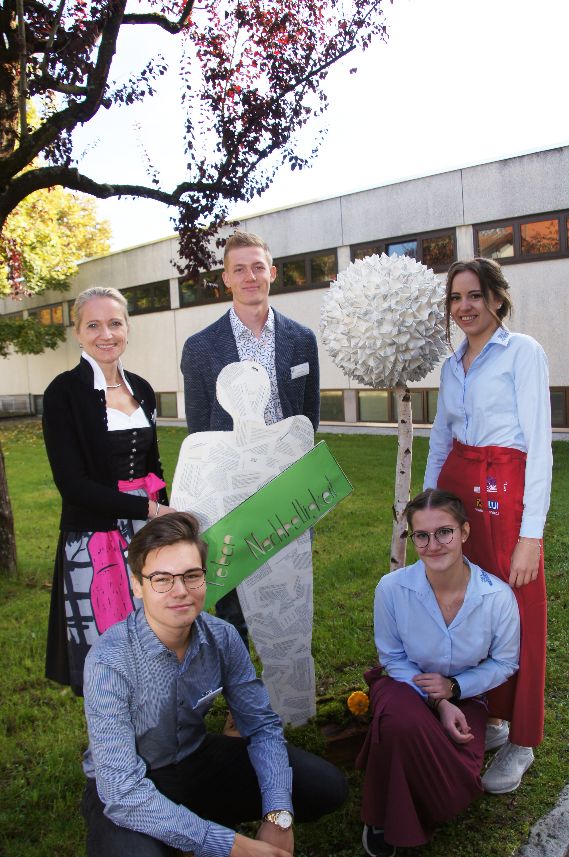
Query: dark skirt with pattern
[91, 591]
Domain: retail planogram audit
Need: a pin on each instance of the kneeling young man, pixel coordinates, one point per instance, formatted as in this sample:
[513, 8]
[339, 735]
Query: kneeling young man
[156, 780]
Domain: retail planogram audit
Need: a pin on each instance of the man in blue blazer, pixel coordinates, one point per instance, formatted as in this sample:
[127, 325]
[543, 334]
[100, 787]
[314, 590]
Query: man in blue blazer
[250, 330]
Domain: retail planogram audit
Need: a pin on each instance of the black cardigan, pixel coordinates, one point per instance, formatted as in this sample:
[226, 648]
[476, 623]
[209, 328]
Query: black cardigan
[77, 443]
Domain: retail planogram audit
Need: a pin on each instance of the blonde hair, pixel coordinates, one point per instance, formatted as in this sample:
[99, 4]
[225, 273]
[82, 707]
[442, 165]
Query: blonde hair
[246, 239]
[97, 292]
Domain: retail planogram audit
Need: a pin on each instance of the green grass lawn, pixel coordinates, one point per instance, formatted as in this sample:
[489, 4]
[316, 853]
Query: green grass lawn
[42, 733]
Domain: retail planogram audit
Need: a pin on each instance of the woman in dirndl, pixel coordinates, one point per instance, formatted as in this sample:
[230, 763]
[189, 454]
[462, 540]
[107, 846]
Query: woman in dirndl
[491, 445]
[99, 425]
[446, 632]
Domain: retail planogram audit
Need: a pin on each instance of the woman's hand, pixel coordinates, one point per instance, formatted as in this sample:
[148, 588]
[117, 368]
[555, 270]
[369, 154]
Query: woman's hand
[156, 510]
[437, 686]
[454, 722]
[273, 835]
[524, 565]
[263, 846]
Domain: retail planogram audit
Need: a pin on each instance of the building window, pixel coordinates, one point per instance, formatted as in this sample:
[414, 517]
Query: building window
[374, 406]
[559, 407]
[332, 406]
[524, 239]
[380, 406]
[437, 250]
[541, 236]
[208, 288]
[167, 405]
[151, 297]
[432, 399]
[310, 271]
[52, 314]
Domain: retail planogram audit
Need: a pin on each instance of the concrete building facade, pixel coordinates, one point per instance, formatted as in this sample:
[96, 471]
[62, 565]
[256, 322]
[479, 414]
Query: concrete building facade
[515, 210]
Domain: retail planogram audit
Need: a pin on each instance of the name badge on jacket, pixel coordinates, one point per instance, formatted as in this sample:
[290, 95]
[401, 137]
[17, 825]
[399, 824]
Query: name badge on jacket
[299, 371]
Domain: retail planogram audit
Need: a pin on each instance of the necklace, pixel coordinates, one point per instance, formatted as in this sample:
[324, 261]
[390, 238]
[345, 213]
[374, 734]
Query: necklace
[114, 386]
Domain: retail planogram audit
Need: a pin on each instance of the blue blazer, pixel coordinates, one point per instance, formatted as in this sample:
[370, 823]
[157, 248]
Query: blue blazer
[206, 353]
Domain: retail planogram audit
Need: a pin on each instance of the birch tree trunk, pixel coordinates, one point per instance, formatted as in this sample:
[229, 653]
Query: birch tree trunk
[7, 537]
[402, 475]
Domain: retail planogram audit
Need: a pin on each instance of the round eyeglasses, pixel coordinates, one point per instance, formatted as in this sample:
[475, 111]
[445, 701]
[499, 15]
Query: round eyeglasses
[163, 581]
[443, 535]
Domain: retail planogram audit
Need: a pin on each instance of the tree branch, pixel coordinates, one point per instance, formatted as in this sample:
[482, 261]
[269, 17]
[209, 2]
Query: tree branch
[23, 78]
[71, 178]
[158, 20]
[51, 38]
[172, 27]
[46, 81]
[77, 112]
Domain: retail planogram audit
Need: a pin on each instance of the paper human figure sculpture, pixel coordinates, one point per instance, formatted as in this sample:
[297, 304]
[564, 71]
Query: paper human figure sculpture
[382, 322]
[216, 471]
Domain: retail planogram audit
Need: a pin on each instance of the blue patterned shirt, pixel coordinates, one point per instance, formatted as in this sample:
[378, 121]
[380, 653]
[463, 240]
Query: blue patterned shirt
[145, 710]
[261, 350]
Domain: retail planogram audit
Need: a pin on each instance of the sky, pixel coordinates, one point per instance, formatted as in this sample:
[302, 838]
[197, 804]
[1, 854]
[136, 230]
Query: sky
[458, 82]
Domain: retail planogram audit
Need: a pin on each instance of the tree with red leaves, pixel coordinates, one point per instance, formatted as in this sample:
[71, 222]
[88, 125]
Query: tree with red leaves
[252, 72]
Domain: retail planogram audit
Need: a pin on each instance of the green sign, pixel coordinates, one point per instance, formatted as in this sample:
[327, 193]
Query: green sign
[273, 517]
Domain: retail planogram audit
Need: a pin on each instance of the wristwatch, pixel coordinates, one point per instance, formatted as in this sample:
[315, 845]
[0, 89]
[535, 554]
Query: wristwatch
[455, 689]
[280, 817]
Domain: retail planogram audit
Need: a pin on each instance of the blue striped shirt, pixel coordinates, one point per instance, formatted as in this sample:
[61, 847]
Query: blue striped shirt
[145, 710]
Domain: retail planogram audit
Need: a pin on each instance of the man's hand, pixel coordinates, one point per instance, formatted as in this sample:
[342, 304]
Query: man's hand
[524, 565]
[269, 843]
[437, 686]
[454, 722]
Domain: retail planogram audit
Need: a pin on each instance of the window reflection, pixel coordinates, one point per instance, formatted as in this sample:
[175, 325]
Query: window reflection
[323, 268]
[540, 237]
[438, 252]
[496, 243]
[402, 248]
[152, 297]
[294, 274]
[332, 405]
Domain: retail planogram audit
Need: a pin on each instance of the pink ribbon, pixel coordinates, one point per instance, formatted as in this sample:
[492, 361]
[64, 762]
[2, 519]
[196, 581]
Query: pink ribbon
[151, 484]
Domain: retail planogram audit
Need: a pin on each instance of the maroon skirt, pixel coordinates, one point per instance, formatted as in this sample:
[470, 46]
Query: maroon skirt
[416, 777]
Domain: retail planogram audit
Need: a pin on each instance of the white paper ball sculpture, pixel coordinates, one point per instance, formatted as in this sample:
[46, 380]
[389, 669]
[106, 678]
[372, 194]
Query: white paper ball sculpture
[382, 320]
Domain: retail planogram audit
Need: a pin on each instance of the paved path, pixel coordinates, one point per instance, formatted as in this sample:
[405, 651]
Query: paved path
[549, 837]
[363, 428]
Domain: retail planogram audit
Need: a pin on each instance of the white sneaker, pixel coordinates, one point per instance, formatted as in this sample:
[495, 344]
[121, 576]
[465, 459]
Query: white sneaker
[496, 735]
[507, 769]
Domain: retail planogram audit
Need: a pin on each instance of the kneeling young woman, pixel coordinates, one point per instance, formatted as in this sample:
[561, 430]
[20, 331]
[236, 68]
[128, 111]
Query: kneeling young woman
[446, 632]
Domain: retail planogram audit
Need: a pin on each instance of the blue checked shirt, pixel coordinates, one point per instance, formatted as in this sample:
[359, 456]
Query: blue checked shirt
[261, 350]
[145, 709]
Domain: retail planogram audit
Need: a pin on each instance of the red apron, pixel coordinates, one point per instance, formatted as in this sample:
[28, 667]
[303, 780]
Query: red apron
[490, 482]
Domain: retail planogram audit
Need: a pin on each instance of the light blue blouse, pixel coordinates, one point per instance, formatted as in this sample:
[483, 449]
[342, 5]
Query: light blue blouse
[503, 400]
[480, 646]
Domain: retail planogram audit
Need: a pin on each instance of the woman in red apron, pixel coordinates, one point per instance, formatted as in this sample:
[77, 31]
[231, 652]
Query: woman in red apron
[491, 445]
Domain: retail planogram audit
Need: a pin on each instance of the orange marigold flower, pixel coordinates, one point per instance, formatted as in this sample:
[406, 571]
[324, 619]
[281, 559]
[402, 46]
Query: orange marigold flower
[358, 702]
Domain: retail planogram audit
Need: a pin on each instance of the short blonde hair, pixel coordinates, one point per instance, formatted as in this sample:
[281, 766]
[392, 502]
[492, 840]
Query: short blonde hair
[246, 239]
[97, 292]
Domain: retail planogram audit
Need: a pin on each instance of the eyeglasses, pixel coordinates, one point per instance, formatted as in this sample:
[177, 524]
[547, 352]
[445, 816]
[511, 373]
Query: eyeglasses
[443, 535]
[163, 581]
